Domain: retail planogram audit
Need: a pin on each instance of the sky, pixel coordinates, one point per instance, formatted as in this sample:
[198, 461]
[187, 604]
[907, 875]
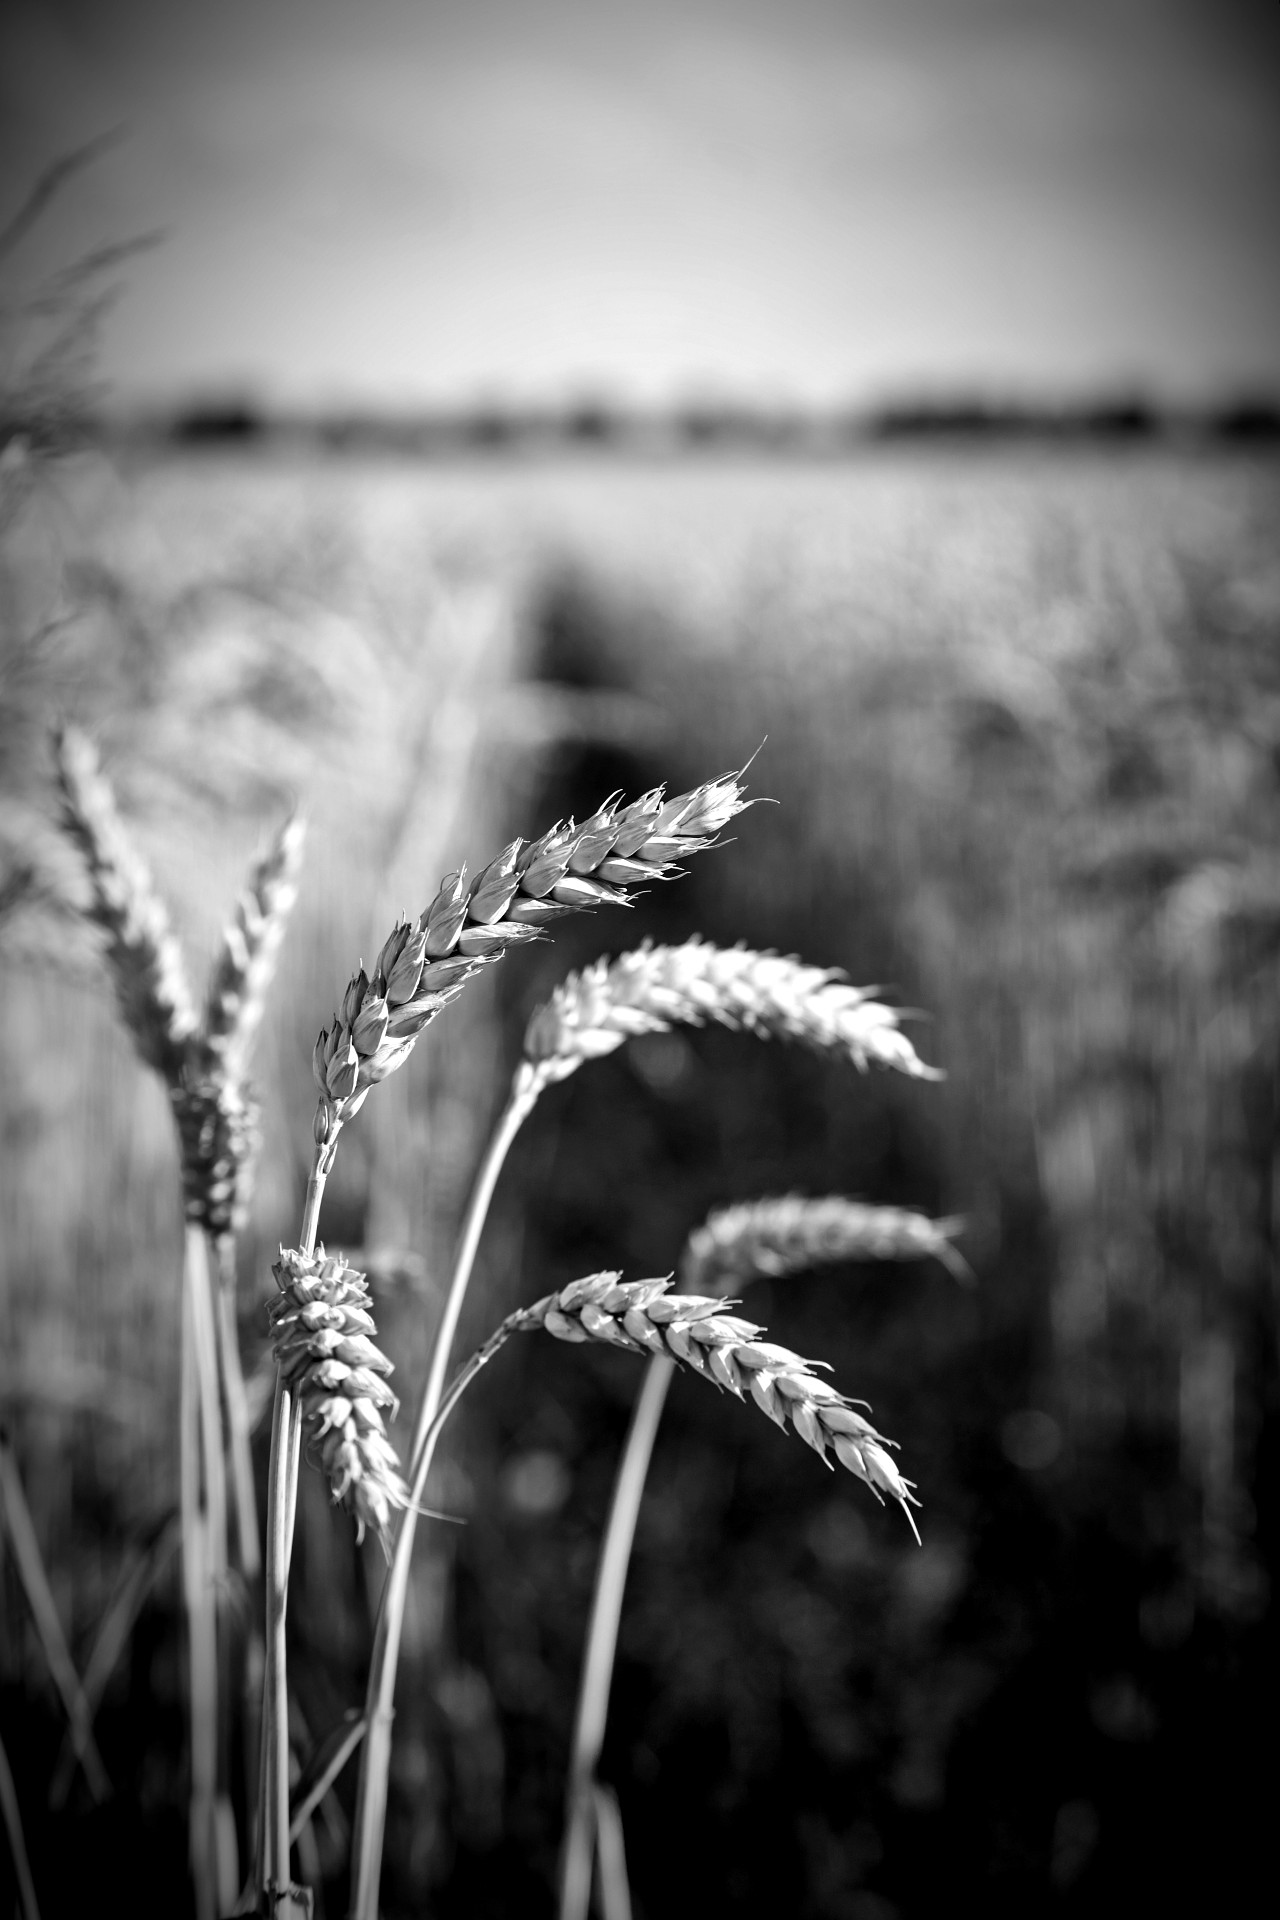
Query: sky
[400, 202]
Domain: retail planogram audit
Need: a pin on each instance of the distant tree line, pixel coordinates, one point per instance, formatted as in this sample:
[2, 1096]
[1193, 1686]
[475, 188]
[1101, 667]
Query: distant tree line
[597, 424]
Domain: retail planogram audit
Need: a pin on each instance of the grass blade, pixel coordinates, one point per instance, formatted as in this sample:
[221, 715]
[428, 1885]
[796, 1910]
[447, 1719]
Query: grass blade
[44, 1611]
[17, 1840]
[112, 1637]
[323, 1768]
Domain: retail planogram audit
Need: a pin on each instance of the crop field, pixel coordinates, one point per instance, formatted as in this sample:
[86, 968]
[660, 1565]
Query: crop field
[1015, 719]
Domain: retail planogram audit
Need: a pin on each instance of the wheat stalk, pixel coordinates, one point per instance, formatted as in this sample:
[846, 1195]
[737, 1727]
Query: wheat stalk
[203, 1067]
[145, 963]
[322, 1330]
[792, 1234]
[772, 995]
[699, 1335]
[422, 966]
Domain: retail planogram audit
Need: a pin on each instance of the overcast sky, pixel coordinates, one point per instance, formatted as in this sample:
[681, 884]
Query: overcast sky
[391, 200]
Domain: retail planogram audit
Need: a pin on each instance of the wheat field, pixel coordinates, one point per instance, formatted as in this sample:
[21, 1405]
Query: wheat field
[1021, 722]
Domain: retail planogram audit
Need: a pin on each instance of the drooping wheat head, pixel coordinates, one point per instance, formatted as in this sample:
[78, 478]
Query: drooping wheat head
[470, 924]
[323, 1338]
[144, 956]
[644, 1316]
[768, 994]
[788, 1235]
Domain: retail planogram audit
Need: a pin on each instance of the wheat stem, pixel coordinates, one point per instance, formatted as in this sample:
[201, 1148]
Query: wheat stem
[273, 1790]
[602, 1640]
[236, 1402]
[197, 1565]
[274, 1885]
[611, 1855]
[371, 1800]
[371, 1803]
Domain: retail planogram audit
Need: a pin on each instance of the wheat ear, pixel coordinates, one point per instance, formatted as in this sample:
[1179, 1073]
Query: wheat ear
[791, 1234]
[469, 925]
[322, 1335]
[145, 959]
[769, 994]
[644, 1316]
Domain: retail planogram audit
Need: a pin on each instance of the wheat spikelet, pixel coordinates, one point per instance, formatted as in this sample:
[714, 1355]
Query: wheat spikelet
[644, 1316]
[790, 1234]
[322, 1335]
[654, 988]
[246, 960]
[145, 959]
[470, 924]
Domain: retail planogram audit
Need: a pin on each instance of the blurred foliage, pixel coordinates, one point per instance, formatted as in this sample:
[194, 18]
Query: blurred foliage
[1023, 718]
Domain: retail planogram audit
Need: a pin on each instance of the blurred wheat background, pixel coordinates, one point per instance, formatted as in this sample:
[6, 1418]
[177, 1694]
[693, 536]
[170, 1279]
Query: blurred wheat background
[1020, 706]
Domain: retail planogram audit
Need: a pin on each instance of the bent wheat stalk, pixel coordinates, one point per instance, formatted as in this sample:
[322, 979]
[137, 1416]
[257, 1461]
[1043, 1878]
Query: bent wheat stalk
[731, 1248]
[698, 1334]
[590, 1014]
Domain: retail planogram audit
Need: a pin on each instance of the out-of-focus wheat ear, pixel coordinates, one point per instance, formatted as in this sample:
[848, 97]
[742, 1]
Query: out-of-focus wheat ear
[772, 995]
[217, 1124]
[246, 960]
[144, 957]
[736, 1245]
